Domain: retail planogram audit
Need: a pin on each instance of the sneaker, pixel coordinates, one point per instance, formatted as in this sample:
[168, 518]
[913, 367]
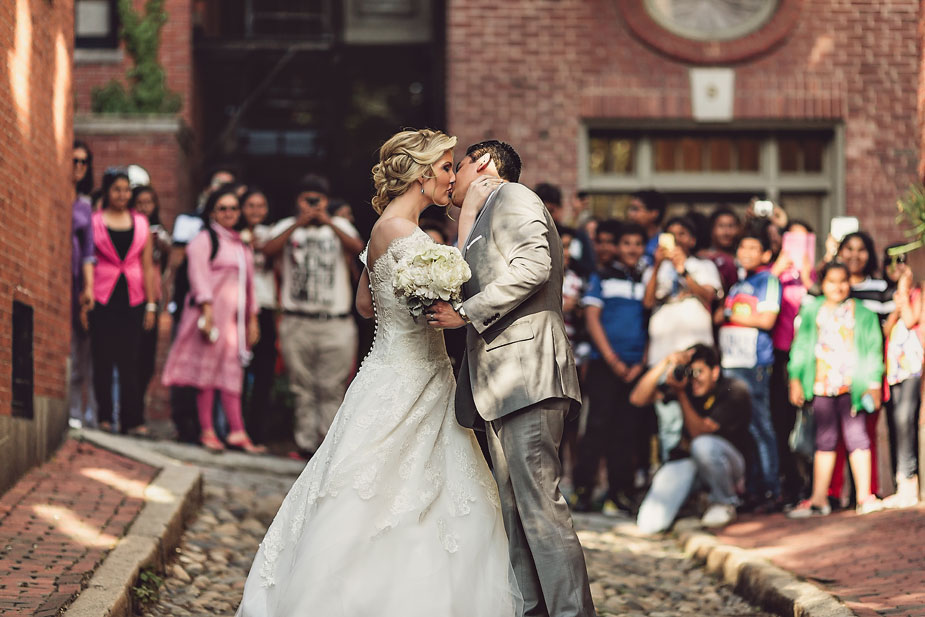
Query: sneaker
[617, 507]
[871, 504]
[718, 515]
[806, 509]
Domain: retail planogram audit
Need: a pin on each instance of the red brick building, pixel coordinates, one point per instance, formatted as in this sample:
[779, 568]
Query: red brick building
[36, 111]
[812, 102]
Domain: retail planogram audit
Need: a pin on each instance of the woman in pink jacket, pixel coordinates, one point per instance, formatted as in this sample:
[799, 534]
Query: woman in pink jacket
[123, 291]
[219, 325]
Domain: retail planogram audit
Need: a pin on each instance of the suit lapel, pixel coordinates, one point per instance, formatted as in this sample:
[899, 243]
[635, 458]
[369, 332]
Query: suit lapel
[489, 203]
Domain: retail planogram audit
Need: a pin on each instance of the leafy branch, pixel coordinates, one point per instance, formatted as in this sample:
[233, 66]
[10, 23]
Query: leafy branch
[912, 210]
[147, 92]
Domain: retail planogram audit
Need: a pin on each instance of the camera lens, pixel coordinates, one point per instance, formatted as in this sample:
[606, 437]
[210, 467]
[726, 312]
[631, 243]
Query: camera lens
[680, 372]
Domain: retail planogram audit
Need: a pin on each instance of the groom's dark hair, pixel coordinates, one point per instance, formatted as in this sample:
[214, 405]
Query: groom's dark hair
[503, 155]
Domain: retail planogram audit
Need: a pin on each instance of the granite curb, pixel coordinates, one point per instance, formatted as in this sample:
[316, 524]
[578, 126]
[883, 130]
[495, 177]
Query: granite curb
[171, 499]
[758, 580]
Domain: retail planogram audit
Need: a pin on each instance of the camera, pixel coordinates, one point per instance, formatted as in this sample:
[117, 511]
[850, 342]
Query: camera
[681, 372]
[764, 208]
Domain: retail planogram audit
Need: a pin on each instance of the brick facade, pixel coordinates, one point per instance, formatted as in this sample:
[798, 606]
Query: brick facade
[166, 154]
[533, 72]
[36, 114]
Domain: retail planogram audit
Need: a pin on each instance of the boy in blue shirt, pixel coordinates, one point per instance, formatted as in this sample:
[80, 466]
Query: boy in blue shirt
[616, 322]
[749, 314]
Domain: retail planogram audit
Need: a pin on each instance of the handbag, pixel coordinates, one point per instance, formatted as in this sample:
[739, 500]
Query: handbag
[802, 440]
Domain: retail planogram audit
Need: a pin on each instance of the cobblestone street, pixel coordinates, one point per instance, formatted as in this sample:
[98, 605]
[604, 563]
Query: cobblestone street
[630, 575]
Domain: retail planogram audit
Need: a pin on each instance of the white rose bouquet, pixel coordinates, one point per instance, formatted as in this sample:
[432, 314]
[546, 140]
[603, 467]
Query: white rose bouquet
[429, 272]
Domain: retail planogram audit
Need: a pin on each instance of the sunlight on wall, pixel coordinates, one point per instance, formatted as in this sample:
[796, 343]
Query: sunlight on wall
[19, 62]
[823, 46]
[69, 524]
[129, 487]
[61, 96]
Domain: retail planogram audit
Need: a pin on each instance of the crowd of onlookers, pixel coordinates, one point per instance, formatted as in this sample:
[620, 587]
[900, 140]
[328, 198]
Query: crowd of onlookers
[240, 293]
[718, 350]
[715, 349]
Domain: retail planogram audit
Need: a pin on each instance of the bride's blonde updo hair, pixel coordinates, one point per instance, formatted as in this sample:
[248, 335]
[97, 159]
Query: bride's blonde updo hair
[404, 159]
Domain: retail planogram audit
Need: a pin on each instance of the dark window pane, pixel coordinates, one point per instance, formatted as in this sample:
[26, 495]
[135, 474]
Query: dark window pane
[813, 150]
[691, 154]
[788, 155]
[665, 154]
[748, 152]
[720, 151]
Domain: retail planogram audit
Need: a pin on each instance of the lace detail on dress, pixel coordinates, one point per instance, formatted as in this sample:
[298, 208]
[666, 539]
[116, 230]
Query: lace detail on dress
[394, 446]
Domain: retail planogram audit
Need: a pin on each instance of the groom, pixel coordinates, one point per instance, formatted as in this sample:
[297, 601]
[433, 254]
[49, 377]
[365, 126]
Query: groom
[518, 374]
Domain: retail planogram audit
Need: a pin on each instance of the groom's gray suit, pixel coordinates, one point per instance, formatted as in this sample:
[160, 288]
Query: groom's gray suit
[518, 374]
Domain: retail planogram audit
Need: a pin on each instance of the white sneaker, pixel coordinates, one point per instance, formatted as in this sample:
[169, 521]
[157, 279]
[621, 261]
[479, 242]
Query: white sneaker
[718, 515]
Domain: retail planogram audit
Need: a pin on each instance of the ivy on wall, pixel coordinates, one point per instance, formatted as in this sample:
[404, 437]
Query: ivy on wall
[147, 91]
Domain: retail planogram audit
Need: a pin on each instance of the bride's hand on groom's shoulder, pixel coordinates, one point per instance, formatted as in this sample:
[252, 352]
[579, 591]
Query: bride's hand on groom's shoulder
[442, 315]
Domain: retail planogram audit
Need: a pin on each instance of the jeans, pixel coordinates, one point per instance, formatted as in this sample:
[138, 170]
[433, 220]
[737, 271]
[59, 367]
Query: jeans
[905, 396]
[81, 378]
[714, 462]
[761, 428]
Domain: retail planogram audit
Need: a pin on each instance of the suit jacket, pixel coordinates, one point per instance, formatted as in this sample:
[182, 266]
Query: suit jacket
[517, 353]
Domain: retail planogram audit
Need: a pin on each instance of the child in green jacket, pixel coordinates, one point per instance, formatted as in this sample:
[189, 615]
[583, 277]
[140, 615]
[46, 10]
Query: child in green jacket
[837, 363]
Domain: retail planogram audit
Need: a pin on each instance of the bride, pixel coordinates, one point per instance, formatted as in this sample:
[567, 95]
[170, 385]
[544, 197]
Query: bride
[397, 513]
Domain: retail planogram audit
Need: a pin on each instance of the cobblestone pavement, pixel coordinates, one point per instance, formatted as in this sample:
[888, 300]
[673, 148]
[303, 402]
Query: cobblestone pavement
[630, 575]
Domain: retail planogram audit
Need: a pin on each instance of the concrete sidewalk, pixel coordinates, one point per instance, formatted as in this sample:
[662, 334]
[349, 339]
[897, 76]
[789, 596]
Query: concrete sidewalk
[874, 564]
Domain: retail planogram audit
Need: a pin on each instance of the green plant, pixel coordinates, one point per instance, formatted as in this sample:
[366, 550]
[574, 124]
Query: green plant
[147, 90]
[147, 591]
[912, 209]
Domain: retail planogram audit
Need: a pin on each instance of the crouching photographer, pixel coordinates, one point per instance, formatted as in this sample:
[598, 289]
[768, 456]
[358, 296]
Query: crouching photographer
[716, 414]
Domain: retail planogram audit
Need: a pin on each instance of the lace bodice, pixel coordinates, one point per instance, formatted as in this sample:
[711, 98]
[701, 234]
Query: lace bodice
[399, 337]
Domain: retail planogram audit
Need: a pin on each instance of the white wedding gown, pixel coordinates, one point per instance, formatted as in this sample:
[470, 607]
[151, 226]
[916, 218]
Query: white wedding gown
[397, 514]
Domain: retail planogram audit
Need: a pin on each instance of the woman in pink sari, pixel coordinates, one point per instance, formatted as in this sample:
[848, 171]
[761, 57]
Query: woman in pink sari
[220, 324]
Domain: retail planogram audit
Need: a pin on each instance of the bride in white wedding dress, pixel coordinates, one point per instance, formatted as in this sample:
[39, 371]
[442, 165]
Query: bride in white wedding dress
[396, 514]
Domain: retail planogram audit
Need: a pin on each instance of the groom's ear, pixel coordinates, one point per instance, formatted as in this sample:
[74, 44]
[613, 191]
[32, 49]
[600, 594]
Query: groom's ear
[483, 162]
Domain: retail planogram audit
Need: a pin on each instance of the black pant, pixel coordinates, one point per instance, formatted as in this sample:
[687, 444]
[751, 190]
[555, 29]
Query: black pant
[115, 339]
[147, 358]
[783, 416]
[259, 375]
[611, 432]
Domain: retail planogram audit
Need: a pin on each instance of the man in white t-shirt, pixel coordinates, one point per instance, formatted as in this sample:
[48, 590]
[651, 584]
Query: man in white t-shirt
[318, 337]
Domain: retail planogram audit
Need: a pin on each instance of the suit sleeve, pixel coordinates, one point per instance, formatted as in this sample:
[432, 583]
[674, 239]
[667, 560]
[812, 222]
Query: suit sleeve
[520, 231]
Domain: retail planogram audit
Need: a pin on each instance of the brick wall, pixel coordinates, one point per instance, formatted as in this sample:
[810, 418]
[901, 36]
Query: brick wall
[530, 72]
[36, 113]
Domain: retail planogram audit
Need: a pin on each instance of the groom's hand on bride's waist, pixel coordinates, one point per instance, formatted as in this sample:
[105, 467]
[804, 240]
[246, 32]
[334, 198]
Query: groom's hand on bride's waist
[442, 315]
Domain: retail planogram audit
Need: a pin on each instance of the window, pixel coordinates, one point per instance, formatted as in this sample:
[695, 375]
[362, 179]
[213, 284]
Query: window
[96, 24]
[700, 168]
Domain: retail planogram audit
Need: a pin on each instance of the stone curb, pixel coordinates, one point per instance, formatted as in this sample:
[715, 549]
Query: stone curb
[171, 499]
[759, 581]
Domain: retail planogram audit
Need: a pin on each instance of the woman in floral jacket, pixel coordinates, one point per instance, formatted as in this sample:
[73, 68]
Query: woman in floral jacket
[836, 362]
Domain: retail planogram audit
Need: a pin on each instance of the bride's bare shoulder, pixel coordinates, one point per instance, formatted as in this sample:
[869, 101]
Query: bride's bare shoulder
[387, 230]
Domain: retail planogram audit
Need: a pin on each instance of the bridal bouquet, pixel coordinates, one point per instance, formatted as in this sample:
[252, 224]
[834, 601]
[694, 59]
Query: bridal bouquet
[429, 272]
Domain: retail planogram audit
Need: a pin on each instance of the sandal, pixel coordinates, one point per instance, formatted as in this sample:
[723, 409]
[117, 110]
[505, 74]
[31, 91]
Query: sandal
[211, 442]
[244, 444]
[105, 427]
[140, 432]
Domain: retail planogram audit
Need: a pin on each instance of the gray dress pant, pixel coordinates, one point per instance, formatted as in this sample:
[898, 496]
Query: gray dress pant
[547, 559]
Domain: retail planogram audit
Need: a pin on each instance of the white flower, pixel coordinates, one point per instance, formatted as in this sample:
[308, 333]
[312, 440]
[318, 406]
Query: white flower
[428, 272]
